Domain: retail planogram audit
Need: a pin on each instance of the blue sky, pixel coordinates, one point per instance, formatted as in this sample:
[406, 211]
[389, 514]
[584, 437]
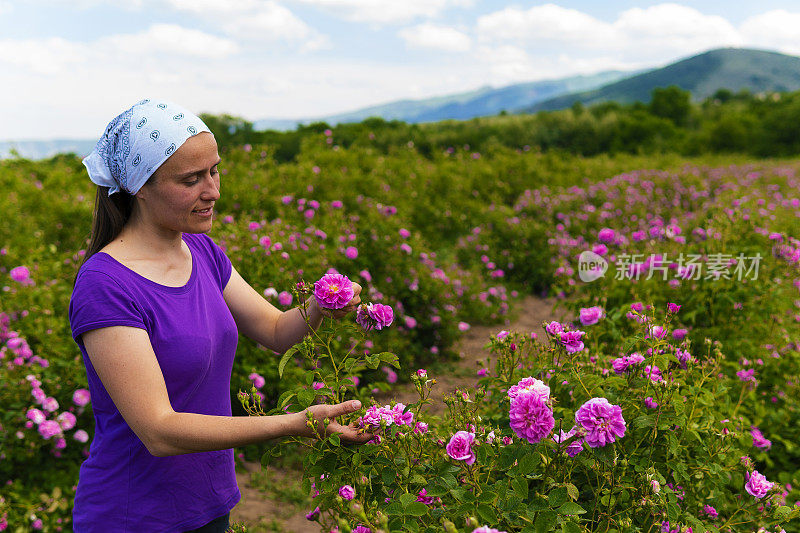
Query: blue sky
[70, 66]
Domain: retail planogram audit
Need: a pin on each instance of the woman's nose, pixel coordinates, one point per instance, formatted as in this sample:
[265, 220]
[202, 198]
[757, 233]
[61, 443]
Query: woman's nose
[211, 189]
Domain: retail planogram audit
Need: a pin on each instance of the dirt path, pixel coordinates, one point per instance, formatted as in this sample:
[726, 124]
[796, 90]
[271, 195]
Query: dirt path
[262, 513]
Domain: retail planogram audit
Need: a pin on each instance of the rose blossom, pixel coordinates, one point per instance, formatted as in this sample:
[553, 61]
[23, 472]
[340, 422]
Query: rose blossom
[333, 291]
[347, 492]
[424, 498]
[554, 328]
[375, 415]
[654, 373]
[487, 529]
[656, 332]
[530, 384]
[374, 316]
[621, 364]
[602, 421]
[285, 298]
[66, 420]
[530, 417]
[573, 448]
[81, 397]
[679, 334]
[36, 415]
[591, 315]
[710, 511]
[50, 404]
[49, 428]
[313, 515]
[401, 418]
[571, 340]
[606, 235]
[80, 436]
[460, 447]
[257, 379]
[757, 485]
[759, 440]
[20, 274]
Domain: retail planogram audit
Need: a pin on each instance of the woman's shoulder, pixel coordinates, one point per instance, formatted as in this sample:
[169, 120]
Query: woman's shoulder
[100, 264]
[97, 273]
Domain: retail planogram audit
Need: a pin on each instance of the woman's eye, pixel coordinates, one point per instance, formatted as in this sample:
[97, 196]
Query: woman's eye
[214, 172]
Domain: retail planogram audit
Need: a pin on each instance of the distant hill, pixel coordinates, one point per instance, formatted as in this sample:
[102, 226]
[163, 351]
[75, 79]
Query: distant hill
[702, 75]
[461, 106]
[43, 149]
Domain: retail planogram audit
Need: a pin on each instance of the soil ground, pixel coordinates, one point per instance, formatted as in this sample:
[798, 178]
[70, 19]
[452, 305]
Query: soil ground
[270, 511]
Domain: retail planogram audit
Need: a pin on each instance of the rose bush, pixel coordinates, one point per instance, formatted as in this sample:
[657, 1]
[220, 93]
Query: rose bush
[552, 439]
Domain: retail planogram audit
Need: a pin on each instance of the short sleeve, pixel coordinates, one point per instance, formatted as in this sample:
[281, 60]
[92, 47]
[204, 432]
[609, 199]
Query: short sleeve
[98, 301]
[222, 264]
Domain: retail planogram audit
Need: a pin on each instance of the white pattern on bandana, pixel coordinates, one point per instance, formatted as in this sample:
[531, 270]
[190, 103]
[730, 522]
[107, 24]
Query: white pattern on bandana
[137, 142]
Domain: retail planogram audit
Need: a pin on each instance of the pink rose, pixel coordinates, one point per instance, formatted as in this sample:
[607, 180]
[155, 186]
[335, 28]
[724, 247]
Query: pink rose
[460, 447]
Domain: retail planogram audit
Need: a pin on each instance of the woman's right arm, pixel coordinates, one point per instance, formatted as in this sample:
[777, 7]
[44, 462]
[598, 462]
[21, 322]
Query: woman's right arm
[127, 366]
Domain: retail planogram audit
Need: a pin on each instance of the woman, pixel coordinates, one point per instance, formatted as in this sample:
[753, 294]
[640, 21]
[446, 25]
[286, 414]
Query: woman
[156, 310]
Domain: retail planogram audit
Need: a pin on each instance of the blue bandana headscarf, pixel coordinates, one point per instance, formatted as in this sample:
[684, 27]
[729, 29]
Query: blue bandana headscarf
[137, 142]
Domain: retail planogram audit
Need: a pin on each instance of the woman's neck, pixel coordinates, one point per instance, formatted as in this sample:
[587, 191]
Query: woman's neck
[147, 241]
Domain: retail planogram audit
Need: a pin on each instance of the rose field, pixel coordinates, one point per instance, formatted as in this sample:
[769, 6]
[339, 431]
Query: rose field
[669, 400]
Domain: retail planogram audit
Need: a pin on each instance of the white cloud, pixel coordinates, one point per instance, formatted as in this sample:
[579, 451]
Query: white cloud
[128, 5]
[673, 28]
[638, 37]
[431, 36]
[385, 11]
[777, 29]
[42, 57]
[271, 23]
[215, 7]
[549, 22]
[505, 63]
[171, 39]
[255, 20]
[159, 43]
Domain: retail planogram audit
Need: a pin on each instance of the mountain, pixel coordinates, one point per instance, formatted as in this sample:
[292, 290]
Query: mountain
[702, 75]
[480, 102]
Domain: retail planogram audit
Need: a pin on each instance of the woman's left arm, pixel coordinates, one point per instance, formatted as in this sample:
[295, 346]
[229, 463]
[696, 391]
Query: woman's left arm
[272, 328]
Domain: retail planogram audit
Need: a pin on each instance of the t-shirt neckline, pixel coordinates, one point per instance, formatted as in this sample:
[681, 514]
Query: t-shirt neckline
[159, 286]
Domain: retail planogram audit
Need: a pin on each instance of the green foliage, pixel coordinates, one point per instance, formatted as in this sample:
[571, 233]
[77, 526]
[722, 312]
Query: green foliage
[464, 207]
[672, 103]
[674, 458]
[763, 124]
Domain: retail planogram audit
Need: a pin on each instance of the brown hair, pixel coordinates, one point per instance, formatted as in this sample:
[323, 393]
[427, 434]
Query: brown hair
[111, 213]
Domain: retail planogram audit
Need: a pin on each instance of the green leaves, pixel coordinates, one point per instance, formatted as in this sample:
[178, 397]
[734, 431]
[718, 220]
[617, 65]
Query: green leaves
[571, 508]
[285, 359]
[407, 505]
[557, 496]
[306, 397]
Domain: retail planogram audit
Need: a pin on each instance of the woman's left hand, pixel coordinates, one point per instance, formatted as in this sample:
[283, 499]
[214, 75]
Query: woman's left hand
[351, 306]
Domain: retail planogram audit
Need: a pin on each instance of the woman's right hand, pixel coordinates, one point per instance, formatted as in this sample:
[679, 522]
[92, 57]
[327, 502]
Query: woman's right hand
[320, 413]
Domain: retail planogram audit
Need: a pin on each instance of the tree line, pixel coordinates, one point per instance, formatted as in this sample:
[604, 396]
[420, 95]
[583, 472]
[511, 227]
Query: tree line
[763, 125]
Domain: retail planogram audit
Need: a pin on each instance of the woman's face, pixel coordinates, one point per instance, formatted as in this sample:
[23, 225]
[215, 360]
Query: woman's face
[180, 195]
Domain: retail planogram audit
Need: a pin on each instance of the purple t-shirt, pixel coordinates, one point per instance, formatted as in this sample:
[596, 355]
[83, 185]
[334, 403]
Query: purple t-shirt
[122, 487]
